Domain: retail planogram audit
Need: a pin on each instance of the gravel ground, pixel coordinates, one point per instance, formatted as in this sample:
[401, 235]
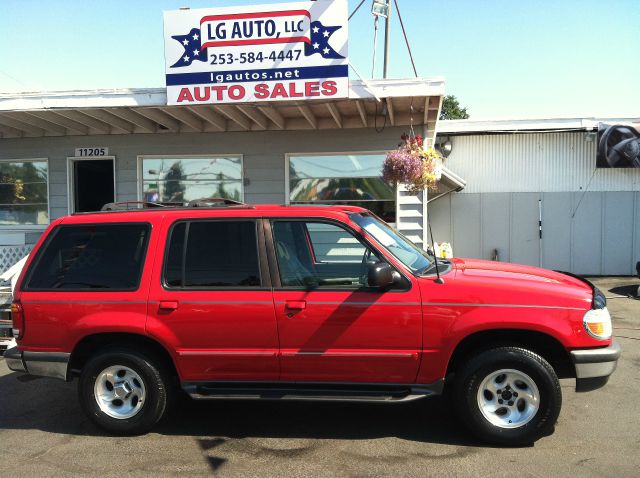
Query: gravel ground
[43, 432]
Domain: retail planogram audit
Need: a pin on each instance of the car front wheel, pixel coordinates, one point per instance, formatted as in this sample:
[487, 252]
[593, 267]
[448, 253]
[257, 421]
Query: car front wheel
[508, 395]
[123, 392]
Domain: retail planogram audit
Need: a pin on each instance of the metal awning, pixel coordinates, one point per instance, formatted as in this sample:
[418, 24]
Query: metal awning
[449, 182]
[139, 111]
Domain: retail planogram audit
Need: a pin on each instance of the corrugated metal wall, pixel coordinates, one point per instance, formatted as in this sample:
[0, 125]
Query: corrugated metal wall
[539, 162]
[590, 218]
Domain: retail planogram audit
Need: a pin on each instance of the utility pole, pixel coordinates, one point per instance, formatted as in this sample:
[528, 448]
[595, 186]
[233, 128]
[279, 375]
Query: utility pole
[387, 39]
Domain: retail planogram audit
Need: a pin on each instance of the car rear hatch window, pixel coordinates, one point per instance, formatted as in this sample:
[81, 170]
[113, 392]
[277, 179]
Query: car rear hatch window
[90, 257]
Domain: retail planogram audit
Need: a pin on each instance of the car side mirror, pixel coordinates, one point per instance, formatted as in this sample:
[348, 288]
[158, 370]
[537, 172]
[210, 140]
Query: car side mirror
[382, 276]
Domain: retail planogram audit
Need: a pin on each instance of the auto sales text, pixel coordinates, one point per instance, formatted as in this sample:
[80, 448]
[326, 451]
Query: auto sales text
[259, 91]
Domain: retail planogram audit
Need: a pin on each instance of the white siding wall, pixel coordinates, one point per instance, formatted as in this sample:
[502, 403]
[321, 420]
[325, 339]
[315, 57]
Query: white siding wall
[411, 212]
[332, 244]
[590, 218]
[264, 158]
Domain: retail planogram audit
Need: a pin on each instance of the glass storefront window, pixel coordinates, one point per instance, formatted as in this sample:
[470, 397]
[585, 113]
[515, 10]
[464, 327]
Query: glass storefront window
[183, 179]
[24, 196]
[351, 179]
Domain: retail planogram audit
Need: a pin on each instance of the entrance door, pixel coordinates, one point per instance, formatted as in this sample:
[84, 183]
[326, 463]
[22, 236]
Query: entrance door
[93, 184]
[332, 326]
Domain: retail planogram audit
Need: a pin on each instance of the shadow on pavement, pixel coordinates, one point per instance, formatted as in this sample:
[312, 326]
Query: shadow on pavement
[626, 290]
[52, 406]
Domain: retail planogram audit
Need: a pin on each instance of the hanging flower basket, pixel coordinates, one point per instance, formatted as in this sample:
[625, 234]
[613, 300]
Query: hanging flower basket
[412, 165]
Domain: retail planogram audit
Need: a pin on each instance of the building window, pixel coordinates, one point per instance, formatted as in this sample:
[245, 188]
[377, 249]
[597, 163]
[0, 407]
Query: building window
[24, 196]
[183, 179]
[350, 179]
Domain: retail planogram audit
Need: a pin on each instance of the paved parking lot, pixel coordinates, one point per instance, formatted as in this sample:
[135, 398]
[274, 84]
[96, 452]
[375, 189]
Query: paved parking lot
[43, 432]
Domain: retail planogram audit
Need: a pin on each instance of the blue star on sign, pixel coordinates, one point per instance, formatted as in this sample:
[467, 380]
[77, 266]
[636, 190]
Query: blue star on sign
[320, 41]
[192, 52]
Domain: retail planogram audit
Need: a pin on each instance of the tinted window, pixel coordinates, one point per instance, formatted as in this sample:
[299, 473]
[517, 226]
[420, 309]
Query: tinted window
[218, 254]
[312, 254]
[92, 257]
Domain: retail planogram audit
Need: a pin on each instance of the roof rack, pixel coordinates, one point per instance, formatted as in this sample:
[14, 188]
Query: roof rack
[133, 205]
[214, 202]
[202, 202]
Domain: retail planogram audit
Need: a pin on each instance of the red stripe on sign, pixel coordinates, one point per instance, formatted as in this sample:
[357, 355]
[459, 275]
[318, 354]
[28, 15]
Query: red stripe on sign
[264, 41]
[240, 16]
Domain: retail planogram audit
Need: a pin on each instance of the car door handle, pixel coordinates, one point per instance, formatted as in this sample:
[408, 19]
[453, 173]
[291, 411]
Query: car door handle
[168, 305]
[295, 304]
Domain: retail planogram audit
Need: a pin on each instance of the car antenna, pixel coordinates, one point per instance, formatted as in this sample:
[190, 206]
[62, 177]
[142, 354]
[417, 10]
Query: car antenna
[439, 280]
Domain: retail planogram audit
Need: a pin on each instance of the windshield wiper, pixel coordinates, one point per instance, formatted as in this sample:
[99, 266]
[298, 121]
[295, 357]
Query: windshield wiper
[425, 270]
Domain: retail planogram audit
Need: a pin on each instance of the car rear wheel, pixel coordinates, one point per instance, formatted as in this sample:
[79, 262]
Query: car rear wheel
[123, 391]
[508, 395]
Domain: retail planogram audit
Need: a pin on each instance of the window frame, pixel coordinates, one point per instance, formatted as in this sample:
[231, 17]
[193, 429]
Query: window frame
[141, 157]
[274, 266]
[31, 227]
[265, 279]
[24, 287]
[287, 175]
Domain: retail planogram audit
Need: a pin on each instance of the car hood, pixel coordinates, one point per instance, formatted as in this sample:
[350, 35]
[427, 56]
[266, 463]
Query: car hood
[492, 282]
[505, 270]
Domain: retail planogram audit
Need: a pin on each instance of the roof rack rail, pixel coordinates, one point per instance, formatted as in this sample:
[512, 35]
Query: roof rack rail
[214, 202]
[132, 205]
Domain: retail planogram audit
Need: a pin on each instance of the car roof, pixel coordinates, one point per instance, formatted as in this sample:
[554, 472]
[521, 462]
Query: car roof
[223, 211]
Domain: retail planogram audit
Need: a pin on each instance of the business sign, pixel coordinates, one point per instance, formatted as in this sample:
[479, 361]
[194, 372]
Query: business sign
[290, 51]
[618, 145]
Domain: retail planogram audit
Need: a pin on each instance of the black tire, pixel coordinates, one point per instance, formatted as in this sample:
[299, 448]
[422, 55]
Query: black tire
[477, 368]
[155, 381]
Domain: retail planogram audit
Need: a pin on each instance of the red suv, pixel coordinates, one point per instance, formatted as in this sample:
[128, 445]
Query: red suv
[290, 302]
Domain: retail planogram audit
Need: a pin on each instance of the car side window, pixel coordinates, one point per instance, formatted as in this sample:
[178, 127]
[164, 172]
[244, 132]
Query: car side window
[212, 254]
[91, 257]
[320, 255]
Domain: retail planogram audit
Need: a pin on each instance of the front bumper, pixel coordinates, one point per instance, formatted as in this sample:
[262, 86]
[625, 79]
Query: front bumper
[595, 366]
[43, 364]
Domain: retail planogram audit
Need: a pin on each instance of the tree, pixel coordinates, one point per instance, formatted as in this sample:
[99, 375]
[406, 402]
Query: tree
[451, 109]
[174, 186]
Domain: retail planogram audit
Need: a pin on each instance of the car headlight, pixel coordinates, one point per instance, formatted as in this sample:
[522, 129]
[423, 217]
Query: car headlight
[597, 323]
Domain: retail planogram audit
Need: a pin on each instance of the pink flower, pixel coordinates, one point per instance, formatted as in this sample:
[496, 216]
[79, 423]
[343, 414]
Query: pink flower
[410, 164]
[400, 166]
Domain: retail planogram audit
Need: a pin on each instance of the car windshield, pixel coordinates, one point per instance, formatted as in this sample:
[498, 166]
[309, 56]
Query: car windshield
[402, 248]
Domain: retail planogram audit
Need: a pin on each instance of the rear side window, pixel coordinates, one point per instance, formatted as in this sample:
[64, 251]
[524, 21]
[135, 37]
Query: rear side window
[91, 257]
[212, 254]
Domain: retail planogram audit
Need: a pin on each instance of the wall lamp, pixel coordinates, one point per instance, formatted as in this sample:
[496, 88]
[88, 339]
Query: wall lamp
[444, 146]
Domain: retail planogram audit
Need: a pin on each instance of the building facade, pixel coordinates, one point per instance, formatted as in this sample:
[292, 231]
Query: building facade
[71, 152]
[519, 173]
[531, 191]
